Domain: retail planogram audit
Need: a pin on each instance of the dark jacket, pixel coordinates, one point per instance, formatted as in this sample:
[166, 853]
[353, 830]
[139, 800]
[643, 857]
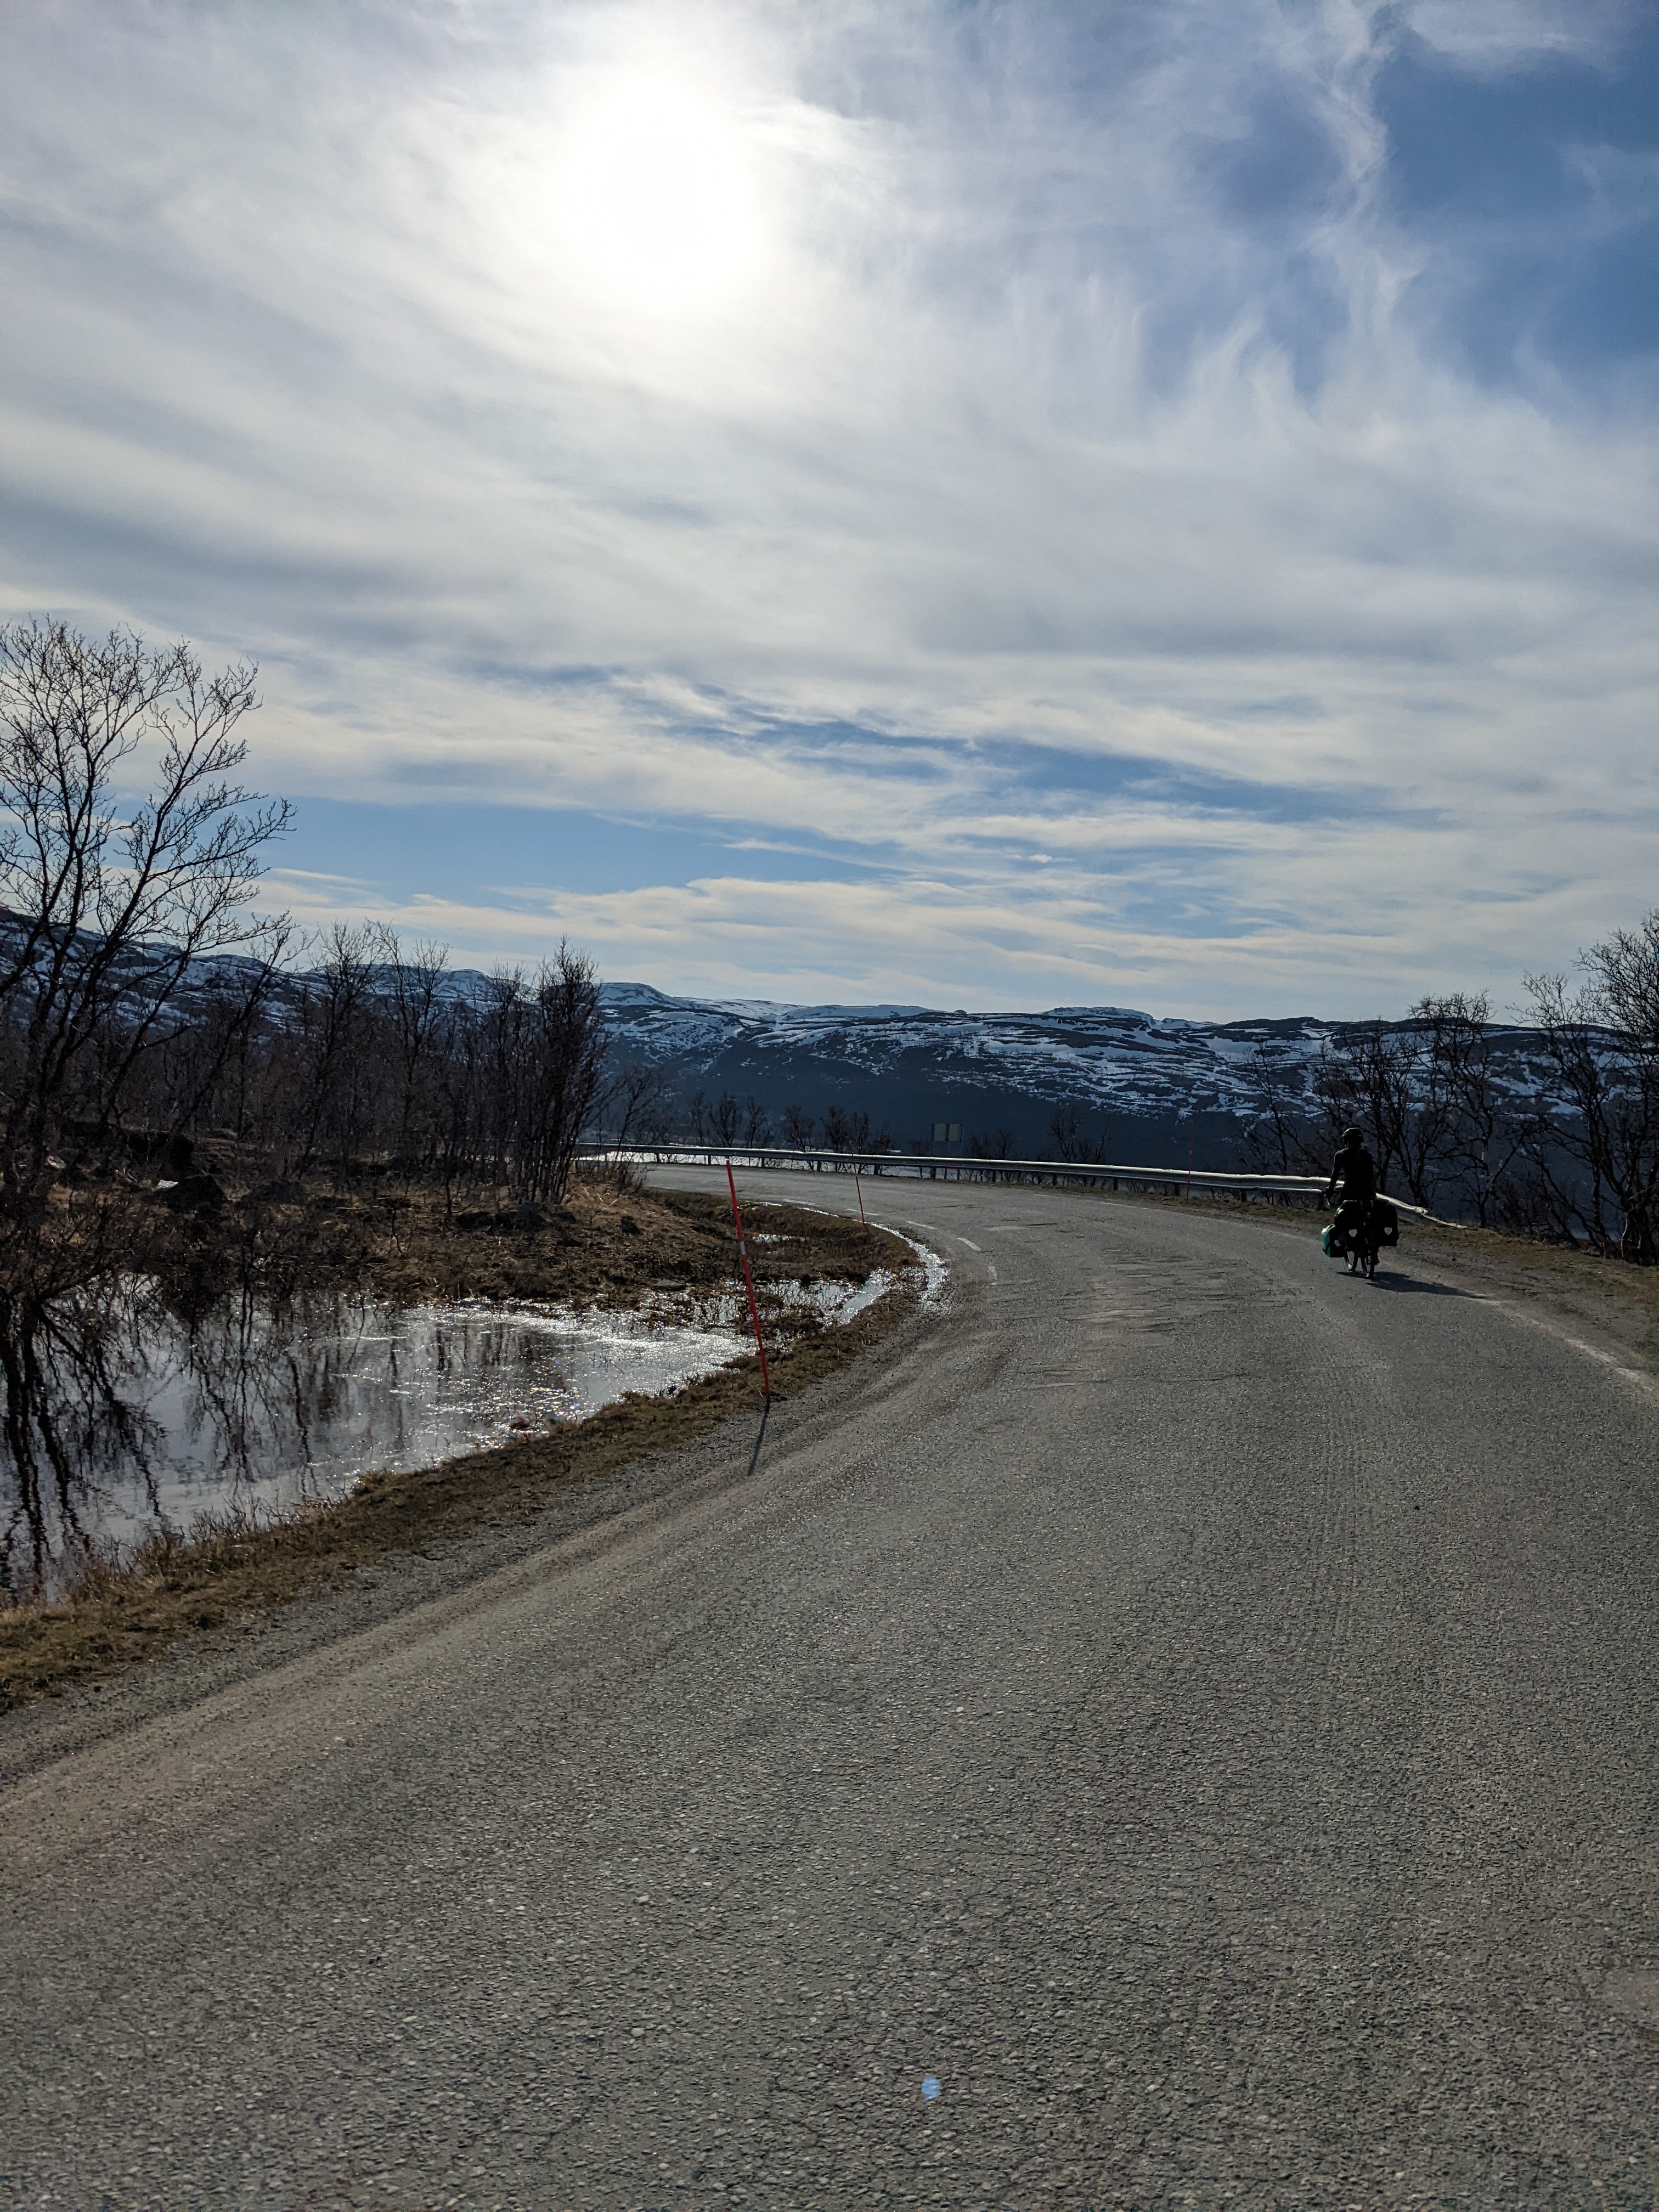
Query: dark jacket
[1357, 1173]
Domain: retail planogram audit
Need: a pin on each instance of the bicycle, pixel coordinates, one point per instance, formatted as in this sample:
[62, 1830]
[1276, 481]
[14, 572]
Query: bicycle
[1358, 1235]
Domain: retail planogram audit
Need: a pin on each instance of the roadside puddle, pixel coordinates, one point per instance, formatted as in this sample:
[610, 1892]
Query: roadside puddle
[264, 1411]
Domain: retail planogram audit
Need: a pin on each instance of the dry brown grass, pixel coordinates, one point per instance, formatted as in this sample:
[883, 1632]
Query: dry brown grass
[134, 1608]
[606, 1245]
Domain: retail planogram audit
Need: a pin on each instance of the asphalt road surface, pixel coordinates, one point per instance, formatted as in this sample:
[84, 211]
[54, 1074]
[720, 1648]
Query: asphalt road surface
[1180, 1727]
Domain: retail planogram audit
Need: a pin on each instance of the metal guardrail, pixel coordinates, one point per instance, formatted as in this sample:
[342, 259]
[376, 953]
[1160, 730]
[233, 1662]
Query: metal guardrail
[951, 1167]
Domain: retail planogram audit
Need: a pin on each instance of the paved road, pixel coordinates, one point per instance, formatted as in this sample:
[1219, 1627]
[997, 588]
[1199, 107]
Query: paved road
[1200, 1710]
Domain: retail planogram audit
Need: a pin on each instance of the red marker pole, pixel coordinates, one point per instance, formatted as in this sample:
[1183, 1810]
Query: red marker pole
[748, 1282]
[858, 1185]
[1189, 1174]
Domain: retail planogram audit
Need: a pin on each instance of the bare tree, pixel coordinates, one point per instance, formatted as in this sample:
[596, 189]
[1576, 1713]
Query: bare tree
[335, 1013]
[107, 902]
[633, 1108]
[502, 1075]
[459, 1085]
[412, 991]
[1286, 1136]
[847, 1129]
[1382, 1078]
[756, 1122]
[1400, 1080]
[998, 1145]
[1069, 1139]
[563, 1069]
[1487, 1130]
[211, 1059]
[1604, 1043]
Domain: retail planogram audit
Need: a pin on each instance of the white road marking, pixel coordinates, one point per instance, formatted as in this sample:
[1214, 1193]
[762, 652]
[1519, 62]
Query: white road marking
[1644, 1382]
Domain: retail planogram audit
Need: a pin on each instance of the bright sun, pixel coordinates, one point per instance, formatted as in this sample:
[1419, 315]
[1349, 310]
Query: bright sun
[657, 197]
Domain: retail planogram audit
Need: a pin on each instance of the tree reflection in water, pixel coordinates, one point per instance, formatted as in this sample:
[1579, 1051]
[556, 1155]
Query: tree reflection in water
[123, 1417]
[70, 1418]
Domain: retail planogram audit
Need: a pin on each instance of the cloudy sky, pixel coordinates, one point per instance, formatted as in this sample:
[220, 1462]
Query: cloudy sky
[1061, 501]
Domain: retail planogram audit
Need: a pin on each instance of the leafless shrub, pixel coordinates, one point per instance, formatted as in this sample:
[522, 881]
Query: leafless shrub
[1603, 1042]
[1068, 1140]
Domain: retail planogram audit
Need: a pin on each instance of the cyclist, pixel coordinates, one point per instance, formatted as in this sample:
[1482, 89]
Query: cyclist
[1355, 1169]
[1357, 1227]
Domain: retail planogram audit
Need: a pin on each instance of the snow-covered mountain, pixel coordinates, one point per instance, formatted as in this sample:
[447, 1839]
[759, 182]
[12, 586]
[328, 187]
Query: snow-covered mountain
[1146, 1088]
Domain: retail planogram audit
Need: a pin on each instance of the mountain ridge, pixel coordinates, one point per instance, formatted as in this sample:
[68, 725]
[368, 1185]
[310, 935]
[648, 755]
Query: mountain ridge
[1165, 1083]
[1116, 1078]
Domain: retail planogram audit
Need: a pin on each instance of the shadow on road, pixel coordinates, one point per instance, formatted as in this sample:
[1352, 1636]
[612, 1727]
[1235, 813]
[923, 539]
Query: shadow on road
[1428, 1290]
[766, 1415]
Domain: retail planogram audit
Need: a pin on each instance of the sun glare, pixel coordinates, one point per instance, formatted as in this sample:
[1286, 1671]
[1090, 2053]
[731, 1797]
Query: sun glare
[658, 202]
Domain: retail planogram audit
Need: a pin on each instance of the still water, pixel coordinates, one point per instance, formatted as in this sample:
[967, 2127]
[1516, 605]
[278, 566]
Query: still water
[151, 1421]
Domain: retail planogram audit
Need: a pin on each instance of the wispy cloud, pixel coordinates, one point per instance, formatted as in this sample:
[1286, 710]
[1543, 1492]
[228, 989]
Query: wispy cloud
[925, 434]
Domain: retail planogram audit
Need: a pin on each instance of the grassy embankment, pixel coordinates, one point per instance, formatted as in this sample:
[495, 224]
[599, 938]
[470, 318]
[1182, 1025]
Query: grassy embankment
[605, 1247]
